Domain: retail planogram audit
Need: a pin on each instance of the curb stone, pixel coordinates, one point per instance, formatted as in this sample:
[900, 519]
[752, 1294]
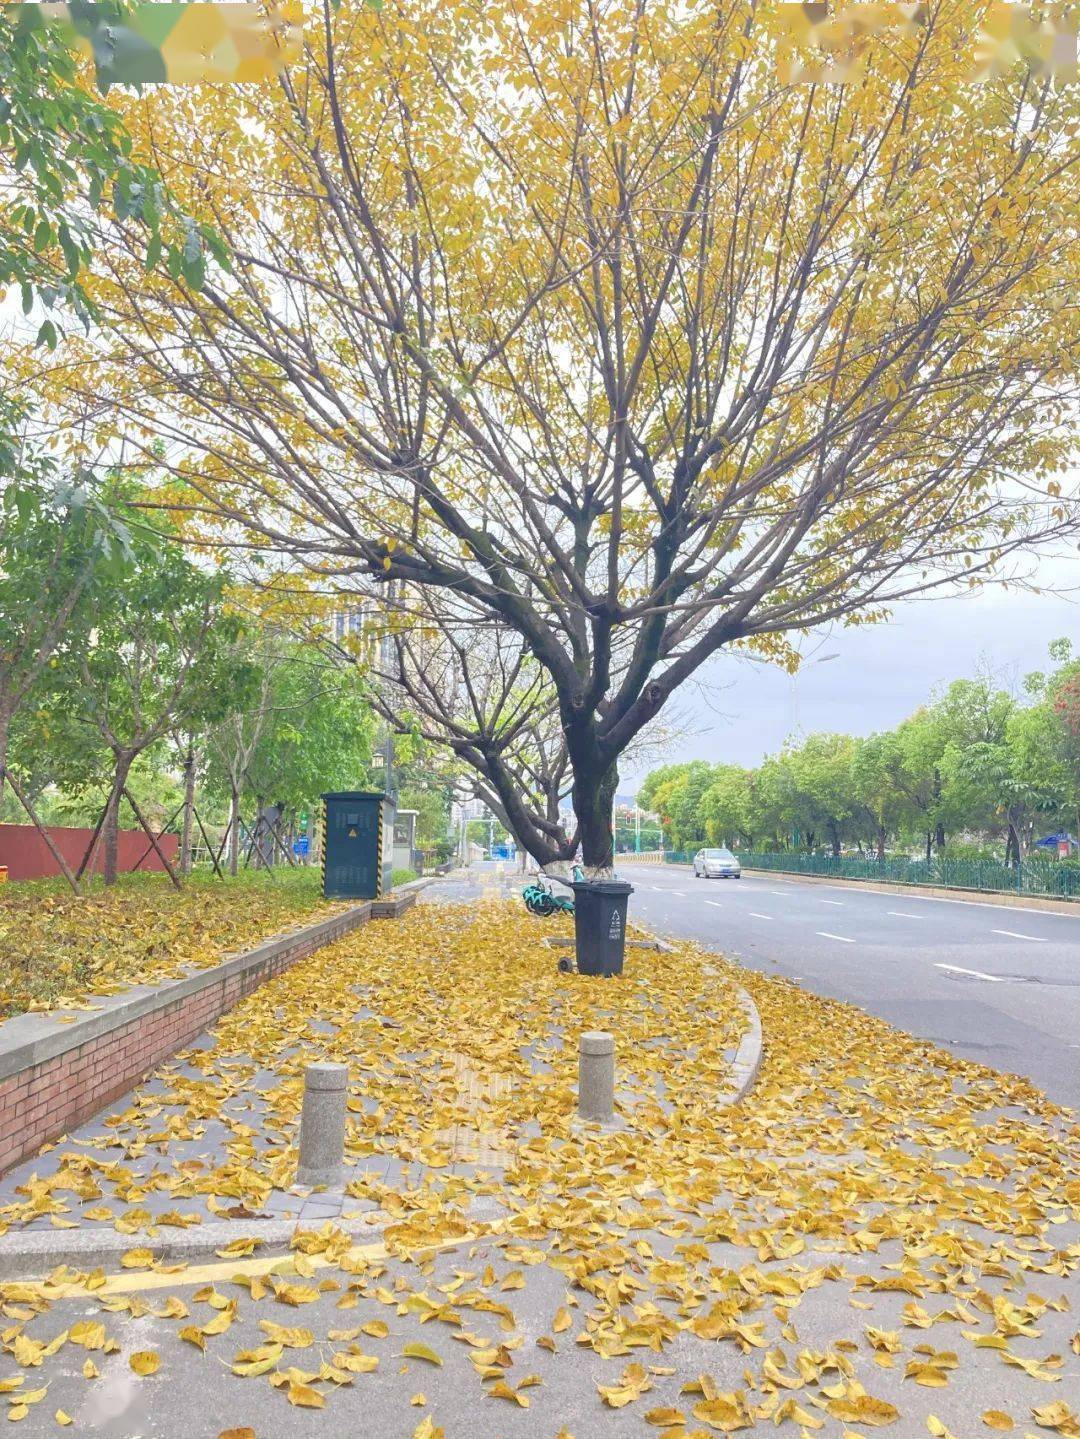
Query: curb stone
[32, 1257]
[748, 1056]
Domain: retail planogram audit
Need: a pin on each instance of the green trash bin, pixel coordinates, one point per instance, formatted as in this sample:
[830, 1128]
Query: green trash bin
[600, 924]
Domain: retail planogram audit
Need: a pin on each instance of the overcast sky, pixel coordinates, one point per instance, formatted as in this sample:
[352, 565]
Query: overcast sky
[880, 673]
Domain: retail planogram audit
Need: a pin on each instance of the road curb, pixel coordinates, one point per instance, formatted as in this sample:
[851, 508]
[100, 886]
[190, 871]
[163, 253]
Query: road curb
[748, 1056]
[751, 1050]
[33, 1256]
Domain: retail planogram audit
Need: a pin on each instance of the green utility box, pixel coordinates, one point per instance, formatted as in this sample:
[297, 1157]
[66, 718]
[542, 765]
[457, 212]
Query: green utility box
[358, 844]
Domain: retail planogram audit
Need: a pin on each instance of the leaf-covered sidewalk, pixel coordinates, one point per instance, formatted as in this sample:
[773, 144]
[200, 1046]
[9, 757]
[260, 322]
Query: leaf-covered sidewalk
[879, 1236]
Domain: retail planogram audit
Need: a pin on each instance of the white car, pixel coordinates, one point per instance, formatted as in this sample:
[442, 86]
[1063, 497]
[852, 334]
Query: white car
[716, 864]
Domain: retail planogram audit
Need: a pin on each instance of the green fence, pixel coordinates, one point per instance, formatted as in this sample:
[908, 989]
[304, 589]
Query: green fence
[1033, 876]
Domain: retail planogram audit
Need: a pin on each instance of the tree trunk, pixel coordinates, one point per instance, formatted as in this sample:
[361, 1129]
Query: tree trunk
[110, 830]
[189, 810]
[5, 730]
[929, 843]
[881, 841]
[234, 831]
[594, 809]
[939, 837]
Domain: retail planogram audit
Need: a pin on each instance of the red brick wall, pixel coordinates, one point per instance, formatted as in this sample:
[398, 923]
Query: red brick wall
[27, 855]
[49, 1099]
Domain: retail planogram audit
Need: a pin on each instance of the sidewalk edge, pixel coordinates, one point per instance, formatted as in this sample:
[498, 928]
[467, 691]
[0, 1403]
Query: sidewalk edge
[747, 1062]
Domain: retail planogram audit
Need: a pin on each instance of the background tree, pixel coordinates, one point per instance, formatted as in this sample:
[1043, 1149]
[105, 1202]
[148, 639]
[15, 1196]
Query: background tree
[976, 761]
[592, 325]
[728, 806]
[58, 545]
[880, 784]
[318, 734]
[157, 647]
[306, 728]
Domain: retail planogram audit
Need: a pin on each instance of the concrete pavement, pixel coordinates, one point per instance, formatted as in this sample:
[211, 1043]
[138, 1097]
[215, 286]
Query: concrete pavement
[996, 985]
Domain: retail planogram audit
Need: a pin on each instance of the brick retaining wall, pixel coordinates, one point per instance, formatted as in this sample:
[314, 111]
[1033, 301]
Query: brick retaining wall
[54, 1075]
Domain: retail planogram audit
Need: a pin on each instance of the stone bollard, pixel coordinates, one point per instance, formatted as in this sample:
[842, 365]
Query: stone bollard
[596, 1077]
[322, 1125]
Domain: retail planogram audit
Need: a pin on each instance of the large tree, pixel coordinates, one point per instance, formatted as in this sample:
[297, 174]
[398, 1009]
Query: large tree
[588, 324]
[157, 656]
[58, 545]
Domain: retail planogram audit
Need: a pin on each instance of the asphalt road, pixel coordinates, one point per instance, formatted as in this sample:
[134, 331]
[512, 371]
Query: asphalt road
[989, 982]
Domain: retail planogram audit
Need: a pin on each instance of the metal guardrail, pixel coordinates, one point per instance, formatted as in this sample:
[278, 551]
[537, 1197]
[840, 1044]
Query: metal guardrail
[1049, 878]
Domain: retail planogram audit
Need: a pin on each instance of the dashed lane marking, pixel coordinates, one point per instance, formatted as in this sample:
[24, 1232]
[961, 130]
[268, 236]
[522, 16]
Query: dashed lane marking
[755, 915]
[824, 933]
[903, 914]
[838, 902]
[1035, 938]
[715, 903]
[977, 973]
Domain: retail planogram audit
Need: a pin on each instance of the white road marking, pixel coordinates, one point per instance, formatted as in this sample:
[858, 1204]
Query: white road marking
[755, 915]
[841, 937]
[681, 893]
[978, 973]
[866, 888]
[903, 914]
[715, 903]
[1035, 938]
[838, 902]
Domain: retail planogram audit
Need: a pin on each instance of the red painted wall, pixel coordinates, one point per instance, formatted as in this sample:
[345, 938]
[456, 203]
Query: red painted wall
[27, 856]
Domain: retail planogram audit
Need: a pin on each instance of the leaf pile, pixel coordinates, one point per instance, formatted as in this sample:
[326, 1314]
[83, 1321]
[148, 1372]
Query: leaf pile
[59, 949]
